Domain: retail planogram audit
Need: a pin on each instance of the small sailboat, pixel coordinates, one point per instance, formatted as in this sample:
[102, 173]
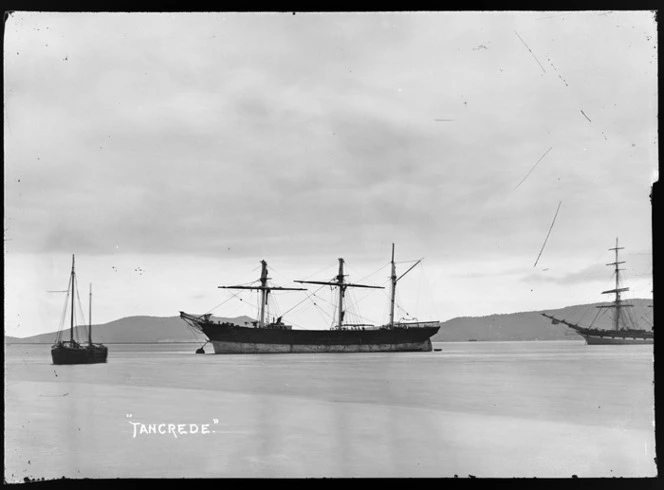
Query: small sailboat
[71, 351]
[624, 331]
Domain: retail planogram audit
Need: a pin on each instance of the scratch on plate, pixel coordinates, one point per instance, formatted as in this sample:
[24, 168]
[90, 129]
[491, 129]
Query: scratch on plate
[531, 52]
[531, 170]
[547, 235]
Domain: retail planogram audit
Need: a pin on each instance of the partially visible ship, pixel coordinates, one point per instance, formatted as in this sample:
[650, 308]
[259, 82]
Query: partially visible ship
[278, 337]
[624, 329]
[71, 351]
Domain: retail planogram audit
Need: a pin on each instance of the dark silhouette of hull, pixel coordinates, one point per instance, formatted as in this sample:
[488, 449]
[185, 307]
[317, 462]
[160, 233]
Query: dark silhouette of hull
[596, 336]
[75, 353]
[617, 337]
[277, 337]
[228, 338]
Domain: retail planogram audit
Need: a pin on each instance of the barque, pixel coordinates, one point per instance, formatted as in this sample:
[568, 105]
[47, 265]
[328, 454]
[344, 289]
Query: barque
[278, 337]
[624, 331]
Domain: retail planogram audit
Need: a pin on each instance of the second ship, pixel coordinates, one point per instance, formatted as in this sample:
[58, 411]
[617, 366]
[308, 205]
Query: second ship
[277, 337]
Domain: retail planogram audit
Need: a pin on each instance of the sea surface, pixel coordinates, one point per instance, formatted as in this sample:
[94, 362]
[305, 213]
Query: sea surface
[486, 409]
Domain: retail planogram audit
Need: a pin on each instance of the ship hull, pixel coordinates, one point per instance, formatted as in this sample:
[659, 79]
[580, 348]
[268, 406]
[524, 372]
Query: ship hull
[67, 353]
[615, 337]
[234, 339]
[604, 340]
[283, 348]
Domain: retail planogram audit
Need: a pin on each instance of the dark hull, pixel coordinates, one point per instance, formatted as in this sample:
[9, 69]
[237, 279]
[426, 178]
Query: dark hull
[232, 339]
[68, 353]
[616, 337]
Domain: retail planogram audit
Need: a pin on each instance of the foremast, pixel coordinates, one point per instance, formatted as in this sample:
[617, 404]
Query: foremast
[90, 317]
[617, 302]
[342, 285]
[264, 289]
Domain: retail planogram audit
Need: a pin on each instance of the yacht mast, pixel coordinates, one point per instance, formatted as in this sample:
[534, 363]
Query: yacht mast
[90, 318]
[394, 280]
[617, 302]
[265, 291]
[342, 285]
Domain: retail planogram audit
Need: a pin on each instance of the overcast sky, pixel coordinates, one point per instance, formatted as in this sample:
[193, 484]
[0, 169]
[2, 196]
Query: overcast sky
[172, 152]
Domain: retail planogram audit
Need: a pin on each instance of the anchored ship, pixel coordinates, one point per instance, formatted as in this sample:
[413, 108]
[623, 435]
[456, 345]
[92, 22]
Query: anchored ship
[71, 351]
[624, 329]
[278, 337]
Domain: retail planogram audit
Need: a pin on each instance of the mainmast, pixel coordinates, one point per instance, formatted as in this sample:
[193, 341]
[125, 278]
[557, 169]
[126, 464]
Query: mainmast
[265, 291]
[342, 285]
[73, 291]
[394, 279]
[617, 303]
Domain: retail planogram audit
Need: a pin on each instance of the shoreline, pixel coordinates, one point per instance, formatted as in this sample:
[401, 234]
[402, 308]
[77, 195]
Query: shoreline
[198, 342]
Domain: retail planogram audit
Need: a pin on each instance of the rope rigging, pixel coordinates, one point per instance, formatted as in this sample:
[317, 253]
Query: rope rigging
[64, 314]
[344, 299]
[84, 326]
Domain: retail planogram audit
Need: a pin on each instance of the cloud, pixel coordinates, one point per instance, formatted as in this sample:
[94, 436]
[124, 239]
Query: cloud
[315, 136]
[638, 266]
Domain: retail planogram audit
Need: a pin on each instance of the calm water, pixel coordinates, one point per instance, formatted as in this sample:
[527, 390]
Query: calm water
[488, 409]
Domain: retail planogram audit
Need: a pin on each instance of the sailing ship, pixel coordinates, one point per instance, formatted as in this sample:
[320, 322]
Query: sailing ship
[278, 337]
[624, 329]
[71, 351]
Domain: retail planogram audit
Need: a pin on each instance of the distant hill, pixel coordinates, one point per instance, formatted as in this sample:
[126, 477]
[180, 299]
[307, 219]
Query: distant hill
[531, 325]
[132, 329]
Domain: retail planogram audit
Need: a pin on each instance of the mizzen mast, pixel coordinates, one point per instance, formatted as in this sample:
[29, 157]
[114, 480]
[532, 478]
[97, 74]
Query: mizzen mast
[394, 279]
[617, 302]
[73, 292]
[342, 285]
[265, 291]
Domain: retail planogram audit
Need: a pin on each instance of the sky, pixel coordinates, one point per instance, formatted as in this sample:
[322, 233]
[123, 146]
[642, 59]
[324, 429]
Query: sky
[171, 152]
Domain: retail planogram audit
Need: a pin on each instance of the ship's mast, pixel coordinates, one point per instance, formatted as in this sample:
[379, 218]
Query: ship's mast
[394, 279]
[617, 302]
[342, 292]
[73, 290]
[90, 317]
[265, 291]
[342, 285]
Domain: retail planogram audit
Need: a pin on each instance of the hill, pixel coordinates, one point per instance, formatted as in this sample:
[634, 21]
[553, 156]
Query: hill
[132, 329]
[532, 325]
